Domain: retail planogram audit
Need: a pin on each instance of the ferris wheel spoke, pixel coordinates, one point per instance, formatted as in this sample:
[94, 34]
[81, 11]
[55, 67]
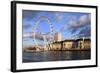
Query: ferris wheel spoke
[47, 37]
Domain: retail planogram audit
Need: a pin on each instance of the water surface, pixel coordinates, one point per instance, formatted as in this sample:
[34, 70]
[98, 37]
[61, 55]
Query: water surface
[55, 56]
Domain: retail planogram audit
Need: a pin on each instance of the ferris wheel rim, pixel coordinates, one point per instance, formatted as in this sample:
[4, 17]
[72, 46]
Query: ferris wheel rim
[37, 23]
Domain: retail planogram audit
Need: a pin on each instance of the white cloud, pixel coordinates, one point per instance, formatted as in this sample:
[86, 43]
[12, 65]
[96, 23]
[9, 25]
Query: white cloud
[37, 36]
[73, 24]
[83, 20]
[58, 16]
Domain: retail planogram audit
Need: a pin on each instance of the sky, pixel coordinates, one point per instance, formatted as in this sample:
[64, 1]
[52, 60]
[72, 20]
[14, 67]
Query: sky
[69, 24]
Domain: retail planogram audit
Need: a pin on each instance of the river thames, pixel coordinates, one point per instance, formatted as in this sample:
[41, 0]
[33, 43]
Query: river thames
[55, 56]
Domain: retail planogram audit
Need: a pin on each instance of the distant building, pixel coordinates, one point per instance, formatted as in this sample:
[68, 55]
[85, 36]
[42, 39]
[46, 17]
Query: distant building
[57, 37]
[72, 44]
[56, 46]
[68, 44]
[84, 43]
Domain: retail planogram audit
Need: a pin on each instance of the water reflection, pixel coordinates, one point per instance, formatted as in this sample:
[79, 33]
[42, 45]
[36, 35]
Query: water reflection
[55, 56]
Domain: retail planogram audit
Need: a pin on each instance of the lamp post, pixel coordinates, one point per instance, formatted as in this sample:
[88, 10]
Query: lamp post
[83, 42]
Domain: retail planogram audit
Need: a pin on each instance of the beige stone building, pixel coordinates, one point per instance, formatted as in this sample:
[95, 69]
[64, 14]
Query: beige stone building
[72, 44]
[56, 46]
[67, 44]
[57, 37]
[84, 43]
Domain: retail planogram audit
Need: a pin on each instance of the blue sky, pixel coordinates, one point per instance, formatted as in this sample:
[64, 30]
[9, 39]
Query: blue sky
[69, 24]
